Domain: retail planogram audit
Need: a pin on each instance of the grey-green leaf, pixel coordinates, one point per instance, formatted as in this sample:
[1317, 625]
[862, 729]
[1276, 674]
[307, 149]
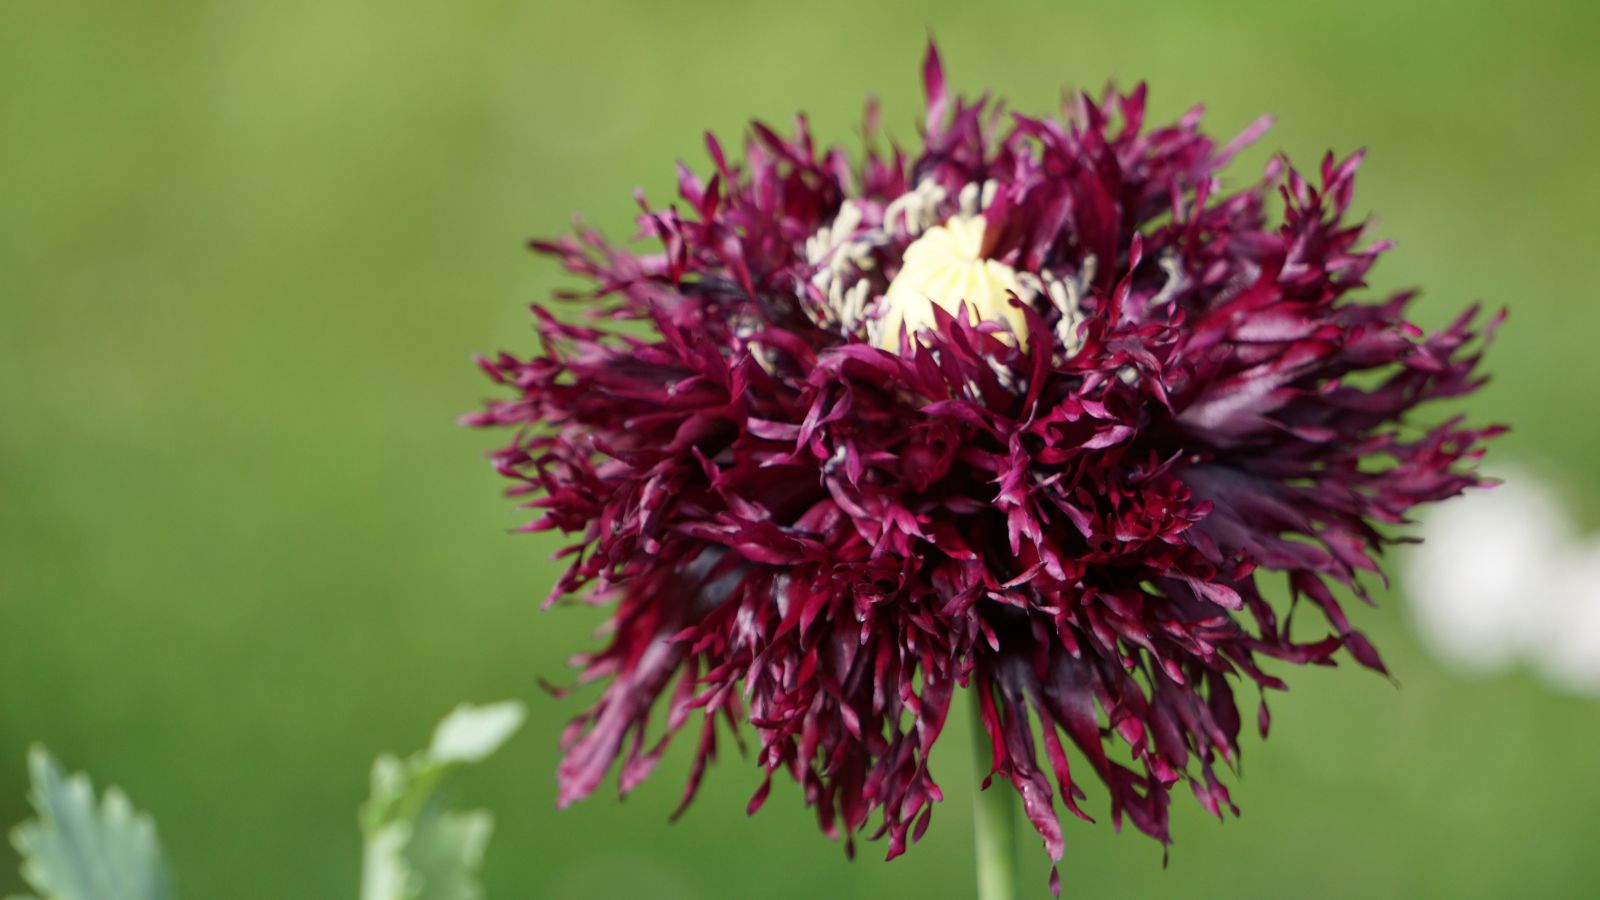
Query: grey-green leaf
[471, 733]
[447, 851]
[414, 849]
[79, 850]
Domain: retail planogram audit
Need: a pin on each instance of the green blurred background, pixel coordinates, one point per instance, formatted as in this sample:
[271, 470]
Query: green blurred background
[246, 253]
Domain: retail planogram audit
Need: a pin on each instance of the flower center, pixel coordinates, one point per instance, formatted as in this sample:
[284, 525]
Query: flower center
[943, 268]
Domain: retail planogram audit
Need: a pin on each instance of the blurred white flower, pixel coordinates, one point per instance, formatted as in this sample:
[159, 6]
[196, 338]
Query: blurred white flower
[1502, 578]
[1571, 654]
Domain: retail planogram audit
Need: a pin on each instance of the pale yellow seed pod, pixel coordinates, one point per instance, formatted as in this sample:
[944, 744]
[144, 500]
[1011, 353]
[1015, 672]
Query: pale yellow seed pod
[943, 267]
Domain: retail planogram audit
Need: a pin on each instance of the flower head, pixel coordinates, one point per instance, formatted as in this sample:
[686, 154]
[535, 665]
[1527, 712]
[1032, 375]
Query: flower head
[1030, 412]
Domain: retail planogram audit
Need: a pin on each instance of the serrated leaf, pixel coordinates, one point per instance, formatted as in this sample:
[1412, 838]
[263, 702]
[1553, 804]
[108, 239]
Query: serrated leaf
[79, 850]
[414, 850]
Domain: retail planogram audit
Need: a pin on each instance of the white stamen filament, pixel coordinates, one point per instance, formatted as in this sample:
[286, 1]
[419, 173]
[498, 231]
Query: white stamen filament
[835, 251]
[916, 209]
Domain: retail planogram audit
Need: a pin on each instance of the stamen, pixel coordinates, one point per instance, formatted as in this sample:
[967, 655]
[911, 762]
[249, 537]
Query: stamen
[917, 209]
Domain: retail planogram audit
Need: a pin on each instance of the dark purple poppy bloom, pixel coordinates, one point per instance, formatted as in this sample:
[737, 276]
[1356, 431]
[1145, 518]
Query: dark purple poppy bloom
[1027, 412]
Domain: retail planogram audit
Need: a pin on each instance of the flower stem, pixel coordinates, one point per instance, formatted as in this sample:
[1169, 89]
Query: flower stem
[994, 821]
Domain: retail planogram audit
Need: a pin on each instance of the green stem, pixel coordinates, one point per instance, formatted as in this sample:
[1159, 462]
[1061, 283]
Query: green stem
[994, 820]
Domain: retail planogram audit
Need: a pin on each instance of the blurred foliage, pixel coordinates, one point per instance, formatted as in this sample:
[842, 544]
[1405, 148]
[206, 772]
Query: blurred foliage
[415, 849]
[246, 252]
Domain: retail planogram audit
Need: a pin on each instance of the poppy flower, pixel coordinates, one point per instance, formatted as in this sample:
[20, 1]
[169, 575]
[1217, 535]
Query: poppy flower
[1034, 411]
